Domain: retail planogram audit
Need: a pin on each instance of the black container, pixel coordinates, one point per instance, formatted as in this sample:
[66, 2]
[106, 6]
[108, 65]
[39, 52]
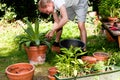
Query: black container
[71, 42]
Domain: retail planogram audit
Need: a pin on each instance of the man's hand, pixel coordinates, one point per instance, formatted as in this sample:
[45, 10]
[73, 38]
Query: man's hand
[50, 34]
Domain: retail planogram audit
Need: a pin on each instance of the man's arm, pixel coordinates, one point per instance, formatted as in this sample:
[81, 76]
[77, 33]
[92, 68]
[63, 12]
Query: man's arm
[59, 23]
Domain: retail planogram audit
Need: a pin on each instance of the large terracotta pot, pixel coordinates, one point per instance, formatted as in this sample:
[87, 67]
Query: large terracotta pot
[20, 71]
[36, 55]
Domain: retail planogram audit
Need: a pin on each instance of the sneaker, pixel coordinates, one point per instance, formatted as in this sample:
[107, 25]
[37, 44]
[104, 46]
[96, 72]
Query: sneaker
[56, 44]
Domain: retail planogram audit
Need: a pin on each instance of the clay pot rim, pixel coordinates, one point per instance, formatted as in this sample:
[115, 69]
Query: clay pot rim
[88, 56]
[40, 46]
[51, 68]
[106, 54]
[33, 68]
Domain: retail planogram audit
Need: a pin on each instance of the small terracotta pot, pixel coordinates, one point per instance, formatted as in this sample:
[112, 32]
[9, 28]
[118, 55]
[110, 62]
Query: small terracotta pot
[20, 71]
[89, 59]
[51, 77]
[52, 71]
[56, 49]
[112, 19]
[101, 56]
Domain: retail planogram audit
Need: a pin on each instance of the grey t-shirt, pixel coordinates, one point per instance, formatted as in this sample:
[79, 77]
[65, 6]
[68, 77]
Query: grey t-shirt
[68, 3]
[74, 8]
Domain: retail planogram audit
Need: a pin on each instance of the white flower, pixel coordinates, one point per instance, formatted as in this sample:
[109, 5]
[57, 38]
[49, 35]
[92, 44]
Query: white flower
[80, 61]
[75, 72]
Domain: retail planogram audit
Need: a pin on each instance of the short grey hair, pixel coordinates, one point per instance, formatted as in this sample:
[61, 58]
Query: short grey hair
[42, 3]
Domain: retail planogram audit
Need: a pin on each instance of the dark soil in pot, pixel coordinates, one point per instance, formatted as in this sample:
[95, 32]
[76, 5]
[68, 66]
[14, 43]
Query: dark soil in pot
[66, 43]
[71, 42]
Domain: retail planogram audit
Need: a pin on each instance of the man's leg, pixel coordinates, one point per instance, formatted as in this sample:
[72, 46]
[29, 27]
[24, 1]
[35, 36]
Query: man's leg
[81, 11]
[83, 33]
[58, 35]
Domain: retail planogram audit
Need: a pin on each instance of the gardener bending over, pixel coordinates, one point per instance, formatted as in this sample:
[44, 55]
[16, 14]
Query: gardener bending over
[68, 10]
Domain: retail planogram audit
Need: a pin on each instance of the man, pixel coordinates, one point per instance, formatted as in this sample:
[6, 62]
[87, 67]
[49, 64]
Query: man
[69, 9]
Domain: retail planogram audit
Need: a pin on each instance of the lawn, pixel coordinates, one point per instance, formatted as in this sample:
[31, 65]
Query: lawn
[10, 54]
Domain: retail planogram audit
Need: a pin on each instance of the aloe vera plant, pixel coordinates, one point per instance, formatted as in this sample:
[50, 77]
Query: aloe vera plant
[32, 36]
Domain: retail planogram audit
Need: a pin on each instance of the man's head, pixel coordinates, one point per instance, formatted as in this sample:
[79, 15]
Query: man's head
[46, 6]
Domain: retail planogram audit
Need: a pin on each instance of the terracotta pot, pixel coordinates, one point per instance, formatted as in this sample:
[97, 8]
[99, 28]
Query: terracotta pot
[56, 49]
[89, 59]
[36, 55]
[20, 71]
[52, 71]
[101, 56]
[51, 77]
[112, 19]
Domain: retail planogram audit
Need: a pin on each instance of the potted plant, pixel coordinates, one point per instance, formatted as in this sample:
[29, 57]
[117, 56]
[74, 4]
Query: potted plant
[69, 65]
[51, 72]
[109, 8]
[34, 42]
[20, 71]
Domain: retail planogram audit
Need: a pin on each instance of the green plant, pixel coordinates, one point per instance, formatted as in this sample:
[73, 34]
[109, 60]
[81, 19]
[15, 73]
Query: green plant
[68, 63]
[109, 8]
[9, 12]
[99, 66]
[32, 36]
[114, 59]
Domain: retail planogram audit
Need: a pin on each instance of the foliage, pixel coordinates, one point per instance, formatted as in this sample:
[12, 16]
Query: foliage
[99, 66]
[32, 37]
[68, 63]
[9, 53]
[2, 6]
[22, 9]
[70, 30]
[9, 12]
[114, 59]
[109, 8]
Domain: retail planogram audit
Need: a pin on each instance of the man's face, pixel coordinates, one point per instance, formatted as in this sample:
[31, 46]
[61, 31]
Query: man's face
[48, 9]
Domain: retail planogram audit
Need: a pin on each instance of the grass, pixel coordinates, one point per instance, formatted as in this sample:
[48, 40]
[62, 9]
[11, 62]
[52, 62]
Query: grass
[9, 53]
